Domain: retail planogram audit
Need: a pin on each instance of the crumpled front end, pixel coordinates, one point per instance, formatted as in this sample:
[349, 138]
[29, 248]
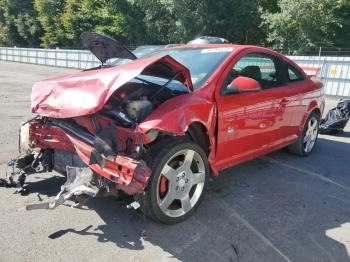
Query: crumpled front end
[94, 116]
[114, 157]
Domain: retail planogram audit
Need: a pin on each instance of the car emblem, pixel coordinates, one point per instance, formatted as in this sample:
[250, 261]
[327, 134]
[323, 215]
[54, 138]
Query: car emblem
[230, 131]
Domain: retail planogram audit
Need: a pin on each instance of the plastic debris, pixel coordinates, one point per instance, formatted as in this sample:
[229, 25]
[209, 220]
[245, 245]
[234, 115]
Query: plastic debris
[336, 119]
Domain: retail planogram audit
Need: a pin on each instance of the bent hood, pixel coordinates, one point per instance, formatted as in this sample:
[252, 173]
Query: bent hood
[86, 92]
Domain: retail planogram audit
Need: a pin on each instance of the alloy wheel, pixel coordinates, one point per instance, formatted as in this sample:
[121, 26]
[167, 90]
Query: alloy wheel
[310, 136]
[181, 183]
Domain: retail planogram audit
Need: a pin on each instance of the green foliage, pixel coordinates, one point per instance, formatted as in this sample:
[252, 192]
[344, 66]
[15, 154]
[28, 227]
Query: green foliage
[305, 24]
[182, 20]
[342, 29]
[236, 20]
[158, 18]
[295, 25]
[50, 12]
[114, 18]
[18, 23]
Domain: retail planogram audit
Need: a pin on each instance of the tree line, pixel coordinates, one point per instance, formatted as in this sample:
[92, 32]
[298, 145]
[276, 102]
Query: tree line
[296, 25]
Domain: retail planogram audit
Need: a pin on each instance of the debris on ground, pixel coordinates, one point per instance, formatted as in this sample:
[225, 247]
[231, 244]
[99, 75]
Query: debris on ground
[79, 185]
[24, 165]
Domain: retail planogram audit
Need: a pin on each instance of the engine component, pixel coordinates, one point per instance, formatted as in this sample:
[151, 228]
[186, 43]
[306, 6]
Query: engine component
[61, 159]
[74, 130]
[118, 114]
[138, 110]
[106, 144]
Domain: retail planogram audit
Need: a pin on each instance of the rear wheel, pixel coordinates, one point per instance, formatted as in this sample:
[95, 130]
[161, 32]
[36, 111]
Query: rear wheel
[178, 183]
[306, 142]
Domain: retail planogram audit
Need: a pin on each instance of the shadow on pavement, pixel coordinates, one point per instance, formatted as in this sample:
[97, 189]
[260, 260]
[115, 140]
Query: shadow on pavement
[257, 211]
[45, 186]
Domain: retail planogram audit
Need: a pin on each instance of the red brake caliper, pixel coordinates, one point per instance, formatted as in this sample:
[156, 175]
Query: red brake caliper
[163, 186]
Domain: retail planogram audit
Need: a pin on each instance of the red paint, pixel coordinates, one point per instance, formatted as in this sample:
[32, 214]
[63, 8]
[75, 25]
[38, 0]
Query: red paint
[129, 174]
[240, 127]
[246, 84]
[87, 92]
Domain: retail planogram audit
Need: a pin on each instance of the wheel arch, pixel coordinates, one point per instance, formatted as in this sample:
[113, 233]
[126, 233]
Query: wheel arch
[312, 108]
[199, 135]
[317, 111]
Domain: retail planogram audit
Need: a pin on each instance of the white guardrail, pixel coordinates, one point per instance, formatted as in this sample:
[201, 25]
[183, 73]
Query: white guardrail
[81, 59]
[333, 71]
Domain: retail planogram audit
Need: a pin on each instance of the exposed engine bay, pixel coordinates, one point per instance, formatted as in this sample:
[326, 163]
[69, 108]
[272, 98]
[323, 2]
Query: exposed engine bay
[133, 102]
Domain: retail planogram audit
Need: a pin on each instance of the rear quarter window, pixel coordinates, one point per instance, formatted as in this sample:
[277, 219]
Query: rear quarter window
[294, 74]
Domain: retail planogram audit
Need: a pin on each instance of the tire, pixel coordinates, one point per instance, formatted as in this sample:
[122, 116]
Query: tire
[176, 187]
[307, 140]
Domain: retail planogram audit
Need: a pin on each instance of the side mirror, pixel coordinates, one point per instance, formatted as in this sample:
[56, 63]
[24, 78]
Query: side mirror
[241, 84]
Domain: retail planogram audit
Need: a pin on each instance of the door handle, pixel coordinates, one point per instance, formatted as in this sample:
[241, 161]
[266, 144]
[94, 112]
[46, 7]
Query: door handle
[284, 101]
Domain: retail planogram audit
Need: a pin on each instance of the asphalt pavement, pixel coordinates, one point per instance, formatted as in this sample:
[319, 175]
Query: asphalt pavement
[275, 208]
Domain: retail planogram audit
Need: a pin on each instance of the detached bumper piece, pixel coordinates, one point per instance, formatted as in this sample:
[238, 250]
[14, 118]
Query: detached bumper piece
[80, 184]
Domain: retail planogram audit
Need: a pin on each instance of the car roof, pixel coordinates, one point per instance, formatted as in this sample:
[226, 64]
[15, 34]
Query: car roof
[212, 46]
[235, 47]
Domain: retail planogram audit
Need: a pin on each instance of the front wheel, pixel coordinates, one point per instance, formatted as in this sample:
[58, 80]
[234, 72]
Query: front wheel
[307, 140]
[179, 177]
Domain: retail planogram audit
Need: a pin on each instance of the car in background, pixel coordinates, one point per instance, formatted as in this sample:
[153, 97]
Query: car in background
[208, 40]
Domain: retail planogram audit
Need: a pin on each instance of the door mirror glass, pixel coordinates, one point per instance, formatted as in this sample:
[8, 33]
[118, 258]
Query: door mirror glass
[242, 84]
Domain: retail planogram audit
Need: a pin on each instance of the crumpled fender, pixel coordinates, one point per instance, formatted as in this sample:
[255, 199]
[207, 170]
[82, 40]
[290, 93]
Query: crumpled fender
[176, 115]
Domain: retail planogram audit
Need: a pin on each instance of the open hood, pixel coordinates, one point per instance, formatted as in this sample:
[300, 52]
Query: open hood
[86, 92]
[105, 47]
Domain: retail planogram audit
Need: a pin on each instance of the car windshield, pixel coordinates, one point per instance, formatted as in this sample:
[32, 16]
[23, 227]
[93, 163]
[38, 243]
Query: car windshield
[200, 61]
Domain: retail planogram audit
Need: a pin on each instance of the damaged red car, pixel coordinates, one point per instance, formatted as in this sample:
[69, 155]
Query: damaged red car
[157, 127]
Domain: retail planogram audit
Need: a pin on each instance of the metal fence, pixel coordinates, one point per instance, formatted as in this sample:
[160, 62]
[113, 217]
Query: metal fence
[81, 59]
[334, 71]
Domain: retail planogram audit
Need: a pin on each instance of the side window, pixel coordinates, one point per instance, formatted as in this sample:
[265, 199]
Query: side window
[294, 75]
[258, 66]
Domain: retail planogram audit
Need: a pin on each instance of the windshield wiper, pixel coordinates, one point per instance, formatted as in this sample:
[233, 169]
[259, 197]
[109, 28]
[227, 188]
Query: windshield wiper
[98, 67]
[148, 82]
[165, 85]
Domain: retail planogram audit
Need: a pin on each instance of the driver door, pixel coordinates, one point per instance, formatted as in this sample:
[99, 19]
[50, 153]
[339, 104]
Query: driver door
[249, 123]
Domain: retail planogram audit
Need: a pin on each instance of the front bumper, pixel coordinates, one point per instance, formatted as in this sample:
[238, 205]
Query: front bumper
[128, 174]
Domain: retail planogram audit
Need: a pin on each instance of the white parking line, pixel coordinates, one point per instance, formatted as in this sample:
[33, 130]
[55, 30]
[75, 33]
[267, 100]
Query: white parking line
[236, 215]
[306, 172]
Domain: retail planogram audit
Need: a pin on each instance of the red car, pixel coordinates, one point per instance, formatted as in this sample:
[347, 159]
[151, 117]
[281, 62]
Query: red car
[158, 126]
